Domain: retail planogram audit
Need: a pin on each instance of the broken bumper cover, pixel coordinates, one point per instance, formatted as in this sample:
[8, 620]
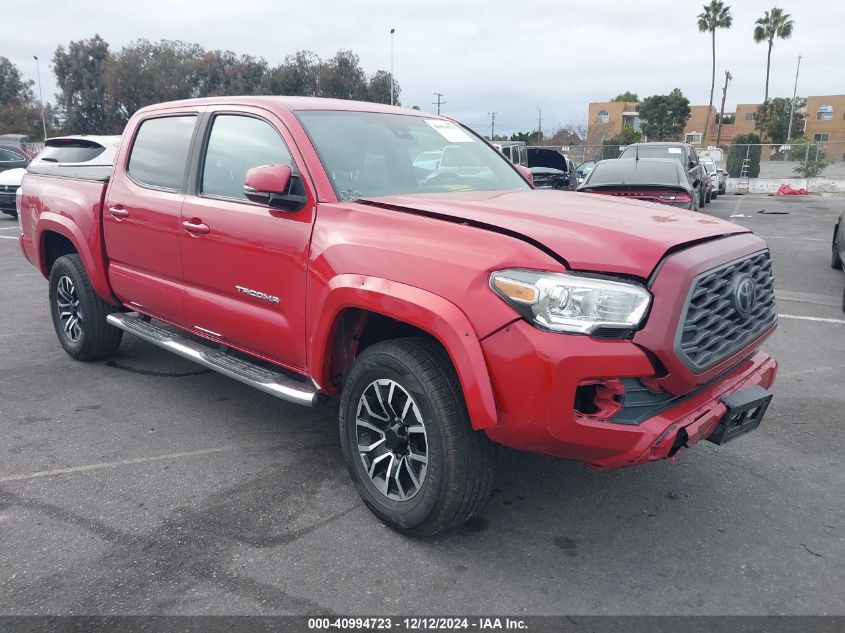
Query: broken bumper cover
[535, 375]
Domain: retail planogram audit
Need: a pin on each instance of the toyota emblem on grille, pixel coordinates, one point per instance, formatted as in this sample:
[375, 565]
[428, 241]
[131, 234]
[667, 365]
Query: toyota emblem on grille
[745, 292]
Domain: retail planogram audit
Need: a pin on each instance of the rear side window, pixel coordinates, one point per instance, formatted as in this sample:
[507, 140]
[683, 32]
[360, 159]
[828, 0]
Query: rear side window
[236, 145]
[160, 152]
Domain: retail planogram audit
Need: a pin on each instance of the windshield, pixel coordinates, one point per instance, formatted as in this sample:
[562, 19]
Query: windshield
[640, 171]
[653, 151]
[710, 167]
[375, 154]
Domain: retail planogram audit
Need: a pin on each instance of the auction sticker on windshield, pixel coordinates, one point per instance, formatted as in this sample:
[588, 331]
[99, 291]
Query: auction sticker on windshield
[449, 131]
[673, 150]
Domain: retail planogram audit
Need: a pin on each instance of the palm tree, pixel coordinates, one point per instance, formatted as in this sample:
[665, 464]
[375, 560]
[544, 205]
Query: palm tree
[715, 16]
[774, 23]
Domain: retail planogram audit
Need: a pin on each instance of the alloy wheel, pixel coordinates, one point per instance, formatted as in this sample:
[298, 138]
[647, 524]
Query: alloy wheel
[391, 439]
[67, 302]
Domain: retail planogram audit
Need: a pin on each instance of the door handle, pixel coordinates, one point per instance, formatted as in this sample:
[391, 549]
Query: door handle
[195, 227]
[119, 213]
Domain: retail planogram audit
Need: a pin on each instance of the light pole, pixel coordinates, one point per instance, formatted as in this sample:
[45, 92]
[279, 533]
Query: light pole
[492, 124]
[539, 126]
[792, 105]
[40, 98]
[392, 31]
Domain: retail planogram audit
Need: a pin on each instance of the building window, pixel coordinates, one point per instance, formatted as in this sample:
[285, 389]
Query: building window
[694, 138]
[824, 136]
[824, 113]
[602, 116]
[749, 116]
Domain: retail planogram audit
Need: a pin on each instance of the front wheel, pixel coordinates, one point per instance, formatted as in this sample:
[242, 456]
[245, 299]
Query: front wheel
[79, 314]
[407, 440]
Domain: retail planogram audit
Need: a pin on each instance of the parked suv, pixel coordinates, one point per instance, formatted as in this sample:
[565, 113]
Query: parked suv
[685, 153]
[295, 245]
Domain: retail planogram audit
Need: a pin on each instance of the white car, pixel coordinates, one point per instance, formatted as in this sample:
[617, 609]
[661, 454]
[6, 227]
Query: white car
[715, 177]
[64, 150]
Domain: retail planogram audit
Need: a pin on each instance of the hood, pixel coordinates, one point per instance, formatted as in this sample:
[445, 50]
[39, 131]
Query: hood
[590, 232]
[12, 177]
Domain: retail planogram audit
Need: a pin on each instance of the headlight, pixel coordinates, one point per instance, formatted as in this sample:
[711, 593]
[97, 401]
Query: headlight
[565, 302]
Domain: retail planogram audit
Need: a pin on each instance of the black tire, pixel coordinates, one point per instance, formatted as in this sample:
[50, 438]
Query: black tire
[95, 338]
[459, 472]
[843, 301]
[13, 214]
[835, 260]
[701, 199]
[714, 195]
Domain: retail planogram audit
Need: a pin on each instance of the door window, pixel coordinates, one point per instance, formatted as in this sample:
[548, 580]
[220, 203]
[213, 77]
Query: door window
[237, 144]
[160, 152]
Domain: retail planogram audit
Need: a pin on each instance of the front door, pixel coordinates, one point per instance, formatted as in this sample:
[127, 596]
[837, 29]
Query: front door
[141, 216]
[245, 266]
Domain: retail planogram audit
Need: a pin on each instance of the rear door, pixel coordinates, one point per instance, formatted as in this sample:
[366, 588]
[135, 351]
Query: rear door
[142, 215]
[245, 276]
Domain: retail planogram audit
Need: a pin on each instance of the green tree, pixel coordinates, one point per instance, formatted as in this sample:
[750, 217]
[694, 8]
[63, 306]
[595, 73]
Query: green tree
[744, 146]
[664, 116]
[715, 16]
[298, 75]
[628, 136]
[20, 113]
[342, 77]
[627, 97]
[81, 75]
[809, 156]
[772, 118]
[379, 86]
[774, 23]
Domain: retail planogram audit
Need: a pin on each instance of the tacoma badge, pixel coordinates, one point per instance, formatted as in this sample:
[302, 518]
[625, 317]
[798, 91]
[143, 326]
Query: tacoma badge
[257, 294]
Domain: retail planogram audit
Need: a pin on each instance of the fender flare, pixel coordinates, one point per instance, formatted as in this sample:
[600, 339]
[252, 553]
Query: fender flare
[62, 225]
[427, 311]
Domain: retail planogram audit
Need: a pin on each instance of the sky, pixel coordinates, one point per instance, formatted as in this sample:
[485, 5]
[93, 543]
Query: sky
[505, 57]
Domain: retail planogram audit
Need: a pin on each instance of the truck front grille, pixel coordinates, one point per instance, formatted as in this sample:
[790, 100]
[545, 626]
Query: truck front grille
[727, 309]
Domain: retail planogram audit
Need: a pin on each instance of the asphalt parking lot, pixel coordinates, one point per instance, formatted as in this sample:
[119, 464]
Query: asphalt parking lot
[147, 485]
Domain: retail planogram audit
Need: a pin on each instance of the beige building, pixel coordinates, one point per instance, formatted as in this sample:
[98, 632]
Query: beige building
[825, 118]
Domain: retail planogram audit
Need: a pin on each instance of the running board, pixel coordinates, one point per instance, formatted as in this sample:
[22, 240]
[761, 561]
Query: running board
[252, 374]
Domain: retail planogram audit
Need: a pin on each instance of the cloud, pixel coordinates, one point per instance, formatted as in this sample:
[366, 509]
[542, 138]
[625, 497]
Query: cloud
[484, 56]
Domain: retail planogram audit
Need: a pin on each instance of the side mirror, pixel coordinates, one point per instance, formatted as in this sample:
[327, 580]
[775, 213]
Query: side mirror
[276, 186]
[526, 173]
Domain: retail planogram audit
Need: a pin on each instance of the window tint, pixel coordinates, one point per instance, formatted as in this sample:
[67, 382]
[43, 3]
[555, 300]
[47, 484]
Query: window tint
[71, 151]
[640, 171]
[8, 155]
[236, 145]
[161, 151]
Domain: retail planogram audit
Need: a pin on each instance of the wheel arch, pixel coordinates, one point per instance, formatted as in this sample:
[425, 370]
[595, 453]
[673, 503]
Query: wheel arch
[354, 302]
[55, 236]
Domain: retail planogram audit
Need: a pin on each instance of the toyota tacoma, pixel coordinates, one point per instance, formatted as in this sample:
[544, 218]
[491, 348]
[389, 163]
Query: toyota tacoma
[295, 245]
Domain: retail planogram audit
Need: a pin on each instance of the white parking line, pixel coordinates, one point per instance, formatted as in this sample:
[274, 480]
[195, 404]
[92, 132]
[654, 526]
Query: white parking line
[10, 228]
[8, 237]
[792, 237]
[123, 462]
[808, 318]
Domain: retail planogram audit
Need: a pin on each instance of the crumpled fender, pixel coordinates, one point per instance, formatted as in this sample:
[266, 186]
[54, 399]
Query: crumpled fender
[415, 306]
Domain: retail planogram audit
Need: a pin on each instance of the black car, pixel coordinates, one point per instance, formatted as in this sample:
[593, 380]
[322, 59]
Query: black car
[551, 168]
[662, 180]
[12, 157]
[684, 153]
[838, 250]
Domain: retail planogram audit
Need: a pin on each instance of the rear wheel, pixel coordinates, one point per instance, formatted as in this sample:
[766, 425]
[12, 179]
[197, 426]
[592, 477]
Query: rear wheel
[14, 214]
[79, 314]
[407, 440]
[835, 260]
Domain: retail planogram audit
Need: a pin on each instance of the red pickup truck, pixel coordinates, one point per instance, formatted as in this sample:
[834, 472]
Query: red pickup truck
[314, 248]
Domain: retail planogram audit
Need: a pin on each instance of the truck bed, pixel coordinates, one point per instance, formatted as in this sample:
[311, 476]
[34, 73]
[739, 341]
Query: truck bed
[95, 173]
